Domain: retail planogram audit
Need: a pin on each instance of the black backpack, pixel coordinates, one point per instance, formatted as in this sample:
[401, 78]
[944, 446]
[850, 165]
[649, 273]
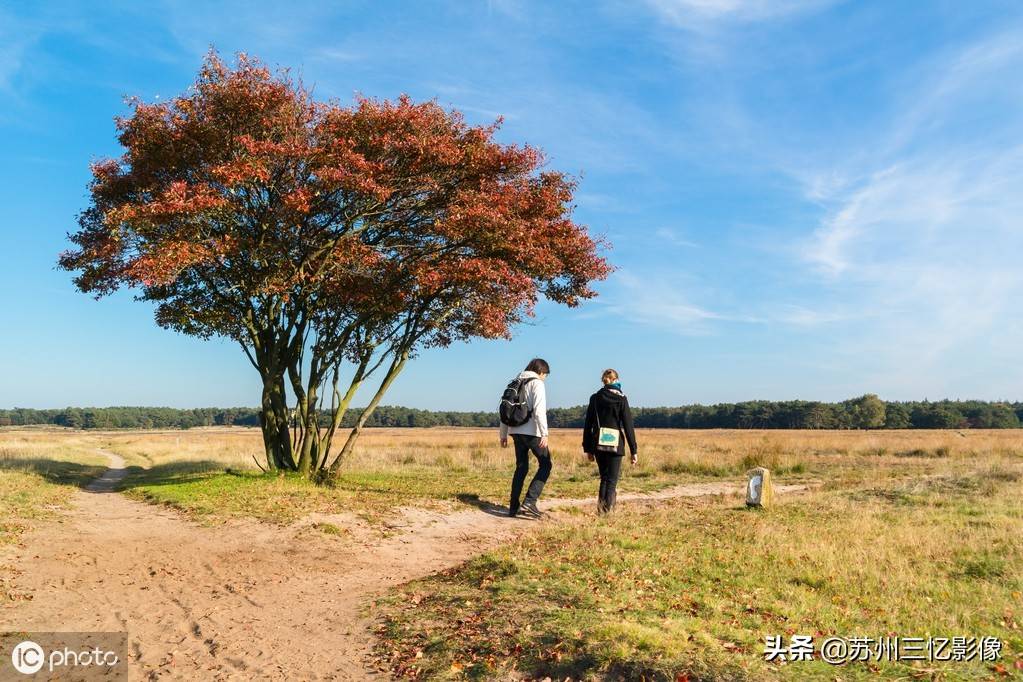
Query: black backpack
[513, 410]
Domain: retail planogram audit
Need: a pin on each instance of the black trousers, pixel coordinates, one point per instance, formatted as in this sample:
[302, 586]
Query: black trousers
[610, 466]
[523, 446]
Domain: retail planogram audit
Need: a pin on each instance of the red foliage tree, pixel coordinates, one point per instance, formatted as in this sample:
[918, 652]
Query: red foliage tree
[329, 241]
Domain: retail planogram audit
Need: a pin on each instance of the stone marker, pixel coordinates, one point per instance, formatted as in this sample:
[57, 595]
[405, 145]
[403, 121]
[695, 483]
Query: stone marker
[759, 491]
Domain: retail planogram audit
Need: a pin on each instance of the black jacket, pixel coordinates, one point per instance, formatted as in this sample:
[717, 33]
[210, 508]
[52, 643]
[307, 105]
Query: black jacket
[611, 407]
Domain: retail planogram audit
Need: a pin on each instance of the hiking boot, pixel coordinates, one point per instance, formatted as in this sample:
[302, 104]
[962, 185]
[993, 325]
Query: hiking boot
[530, 509]
[513, 512]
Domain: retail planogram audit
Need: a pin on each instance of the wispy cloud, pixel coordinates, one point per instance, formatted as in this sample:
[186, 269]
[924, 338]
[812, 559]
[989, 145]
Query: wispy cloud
[929, 238]
[672, 237]
[515, 9]
[910, 271]
[800, 316]
[16, 37]
[656, 301]
[10, 62]
[334, 54]
[667, 301]
[699, 13]
[25, 63]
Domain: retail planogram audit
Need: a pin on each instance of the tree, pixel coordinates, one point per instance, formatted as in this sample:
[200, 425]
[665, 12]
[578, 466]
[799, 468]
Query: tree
[991, 416]
[866, 412]
[819, 416]
[331, 242]
[941, 415]
[896, 416]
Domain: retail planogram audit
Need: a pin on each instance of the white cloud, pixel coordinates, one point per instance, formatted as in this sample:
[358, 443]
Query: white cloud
[10, 63]
[800, 316]
[928, 239]
[656, 301]
[695, 13]
[334, 54]
[16, 37]
[514, 9]
[672, 237]
[910, 280]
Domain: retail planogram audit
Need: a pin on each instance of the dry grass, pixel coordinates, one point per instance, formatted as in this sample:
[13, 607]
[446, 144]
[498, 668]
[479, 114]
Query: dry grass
[923, 539]
[39, 471]
[393, 467]
[674, 451]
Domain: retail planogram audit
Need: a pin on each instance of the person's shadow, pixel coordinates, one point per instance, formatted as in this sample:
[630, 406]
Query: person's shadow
[474, 500]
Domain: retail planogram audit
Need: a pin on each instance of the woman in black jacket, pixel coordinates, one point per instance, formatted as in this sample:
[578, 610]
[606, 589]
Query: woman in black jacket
[607, 417]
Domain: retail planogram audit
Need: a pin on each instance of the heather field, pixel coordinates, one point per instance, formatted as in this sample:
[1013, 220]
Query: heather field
[213, 471]
[914, 534]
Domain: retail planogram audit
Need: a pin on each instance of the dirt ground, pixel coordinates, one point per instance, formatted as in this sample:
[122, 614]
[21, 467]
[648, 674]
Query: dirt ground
[244, 599]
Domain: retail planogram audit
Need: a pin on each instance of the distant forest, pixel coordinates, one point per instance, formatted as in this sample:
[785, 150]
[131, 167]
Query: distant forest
[866, 412]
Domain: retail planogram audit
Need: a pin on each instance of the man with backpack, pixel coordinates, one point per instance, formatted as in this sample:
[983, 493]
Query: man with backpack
[524, 415]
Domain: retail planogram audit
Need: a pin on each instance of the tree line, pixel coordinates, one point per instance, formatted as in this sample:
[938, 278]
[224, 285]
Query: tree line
[865, 412]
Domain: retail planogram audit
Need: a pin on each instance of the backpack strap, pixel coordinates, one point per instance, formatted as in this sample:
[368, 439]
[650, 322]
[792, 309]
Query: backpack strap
[522, 387]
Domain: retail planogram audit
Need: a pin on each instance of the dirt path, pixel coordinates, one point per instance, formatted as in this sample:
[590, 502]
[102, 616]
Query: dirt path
[246, 599]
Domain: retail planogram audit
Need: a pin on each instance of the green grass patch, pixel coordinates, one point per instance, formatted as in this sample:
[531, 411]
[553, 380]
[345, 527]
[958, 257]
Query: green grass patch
[207, 491]
[217, 494]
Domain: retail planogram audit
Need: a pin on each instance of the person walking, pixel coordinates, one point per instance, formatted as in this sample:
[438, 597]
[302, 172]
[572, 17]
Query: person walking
[607, 417]
[529, 435]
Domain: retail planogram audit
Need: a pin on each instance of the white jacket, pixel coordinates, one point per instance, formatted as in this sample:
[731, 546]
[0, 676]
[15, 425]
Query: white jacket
[536, 398]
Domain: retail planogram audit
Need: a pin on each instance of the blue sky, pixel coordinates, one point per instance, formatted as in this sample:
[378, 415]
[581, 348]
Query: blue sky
[807, 198]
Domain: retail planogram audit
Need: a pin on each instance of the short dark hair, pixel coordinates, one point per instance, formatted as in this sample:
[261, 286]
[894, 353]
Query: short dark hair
[538, 365]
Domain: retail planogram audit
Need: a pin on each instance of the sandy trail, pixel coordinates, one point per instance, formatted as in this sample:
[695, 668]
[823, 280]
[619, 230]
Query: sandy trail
[242, 600]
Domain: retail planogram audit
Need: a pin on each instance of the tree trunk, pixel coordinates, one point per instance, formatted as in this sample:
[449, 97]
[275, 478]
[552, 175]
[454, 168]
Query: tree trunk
[274, 420]
[307, 456]
[339, 408]
[392, 373]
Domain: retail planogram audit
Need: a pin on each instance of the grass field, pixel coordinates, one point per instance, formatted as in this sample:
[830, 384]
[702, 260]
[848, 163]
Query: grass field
[908, 533]
[39, 471]
[211, 473]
